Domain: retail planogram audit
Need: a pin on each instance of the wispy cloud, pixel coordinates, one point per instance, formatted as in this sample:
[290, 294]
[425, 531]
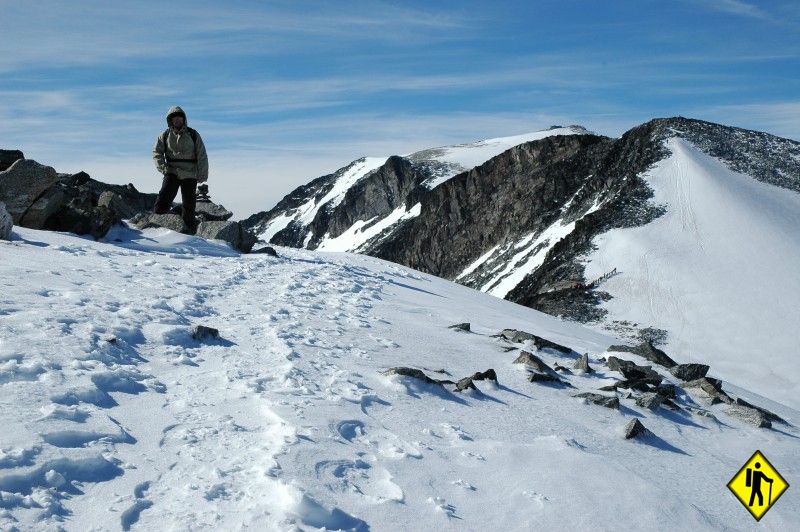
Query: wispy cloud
[94, 32]
[736, 7]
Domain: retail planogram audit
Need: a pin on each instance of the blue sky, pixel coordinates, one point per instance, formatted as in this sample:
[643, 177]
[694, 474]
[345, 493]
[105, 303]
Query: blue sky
[283, 92]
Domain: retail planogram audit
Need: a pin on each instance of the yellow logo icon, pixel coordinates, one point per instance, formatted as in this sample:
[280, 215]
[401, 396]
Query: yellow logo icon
[758, 485]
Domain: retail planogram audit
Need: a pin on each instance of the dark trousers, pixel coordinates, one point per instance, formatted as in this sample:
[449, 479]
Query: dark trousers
[169, 189]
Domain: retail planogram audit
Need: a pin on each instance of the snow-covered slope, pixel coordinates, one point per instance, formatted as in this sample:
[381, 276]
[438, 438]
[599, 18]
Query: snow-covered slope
[447, 161]
[434, 166]
[719, 271]
[115, 418]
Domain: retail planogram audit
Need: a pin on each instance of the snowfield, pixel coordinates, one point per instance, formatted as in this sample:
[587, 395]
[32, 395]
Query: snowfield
[114, 417]
[718, 271]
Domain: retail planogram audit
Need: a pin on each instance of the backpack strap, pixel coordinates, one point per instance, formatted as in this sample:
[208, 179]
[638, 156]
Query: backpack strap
[168, 159]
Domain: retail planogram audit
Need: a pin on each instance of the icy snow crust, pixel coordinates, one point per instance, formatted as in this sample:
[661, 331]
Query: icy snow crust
[115, 418]
[719, 271]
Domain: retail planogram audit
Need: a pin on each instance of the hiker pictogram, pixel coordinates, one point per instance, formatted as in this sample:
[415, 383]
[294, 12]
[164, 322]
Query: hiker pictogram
[757, 485]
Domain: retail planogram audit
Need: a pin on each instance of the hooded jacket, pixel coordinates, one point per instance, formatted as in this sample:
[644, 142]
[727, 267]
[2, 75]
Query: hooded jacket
[178, 155]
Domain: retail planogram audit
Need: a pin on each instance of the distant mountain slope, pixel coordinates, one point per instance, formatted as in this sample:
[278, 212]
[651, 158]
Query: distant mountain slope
[525, 224]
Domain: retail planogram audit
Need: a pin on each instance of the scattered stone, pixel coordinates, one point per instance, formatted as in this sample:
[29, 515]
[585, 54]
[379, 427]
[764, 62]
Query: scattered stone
[267, 250]
[641, 385]
[9, 157]
[529, 359]
[561, 369]
[231, 232]
[649, 400]
[635, 429]
[609, 388]
[167, 221]
[516, 336]
[712, 388]
[648, 351]
[666, 390]
[598, 399]
[201, 332]
[413, 373]
[633, 372]
[689, 372]
[545, 377]
[771, 416]
[460, 327]
[22, 185]
[489, 375]
[210, 211]
[465, 384]
[6, 223]
[750, 415]
[583, 364]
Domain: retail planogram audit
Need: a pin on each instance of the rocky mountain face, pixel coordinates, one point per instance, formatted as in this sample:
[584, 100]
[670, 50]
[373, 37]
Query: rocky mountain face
[519, 224]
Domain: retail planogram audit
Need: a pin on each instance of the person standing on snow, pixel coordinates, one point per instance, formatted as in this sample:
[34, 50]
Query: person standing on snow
[180, 156]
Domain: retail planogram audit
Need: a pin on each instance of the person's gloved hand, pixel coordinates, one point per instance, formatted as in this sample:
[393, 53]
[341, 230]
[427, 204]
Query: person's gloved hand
[203, 189]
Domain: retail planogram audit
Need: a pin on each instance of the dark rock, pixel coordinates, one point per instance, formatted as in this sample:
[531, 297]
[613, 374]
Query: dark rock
[583, 364]
[642, 385]
[771, 416]
[6, 223]
[231, 232]
[529, 359]
[546, 377]
[609, 388]
[210, 211]
[750, 415]
[515, 336]
[635, 429]
[22, 185]
[49, 203]
[117, 204]
[201, 332]
[602, 400]
[488, 375]
[648, 351]
[711, 387]
[412, 372]
[460, 327]
[465, 384]
[689, 372]
[9, 157]
[95, 221]
[167, 221]
[666, 390]
[649, 400]
[267, 250]
[561, 369]
[633, 372]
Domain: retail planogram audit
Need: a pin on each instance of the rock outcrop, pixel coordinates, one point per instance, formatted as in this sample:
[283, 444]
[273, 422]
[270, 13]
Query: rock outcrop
[24, 184]
[231, 232]
[6, 223]
[635, 429]
[689, 372]
[9, 157]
